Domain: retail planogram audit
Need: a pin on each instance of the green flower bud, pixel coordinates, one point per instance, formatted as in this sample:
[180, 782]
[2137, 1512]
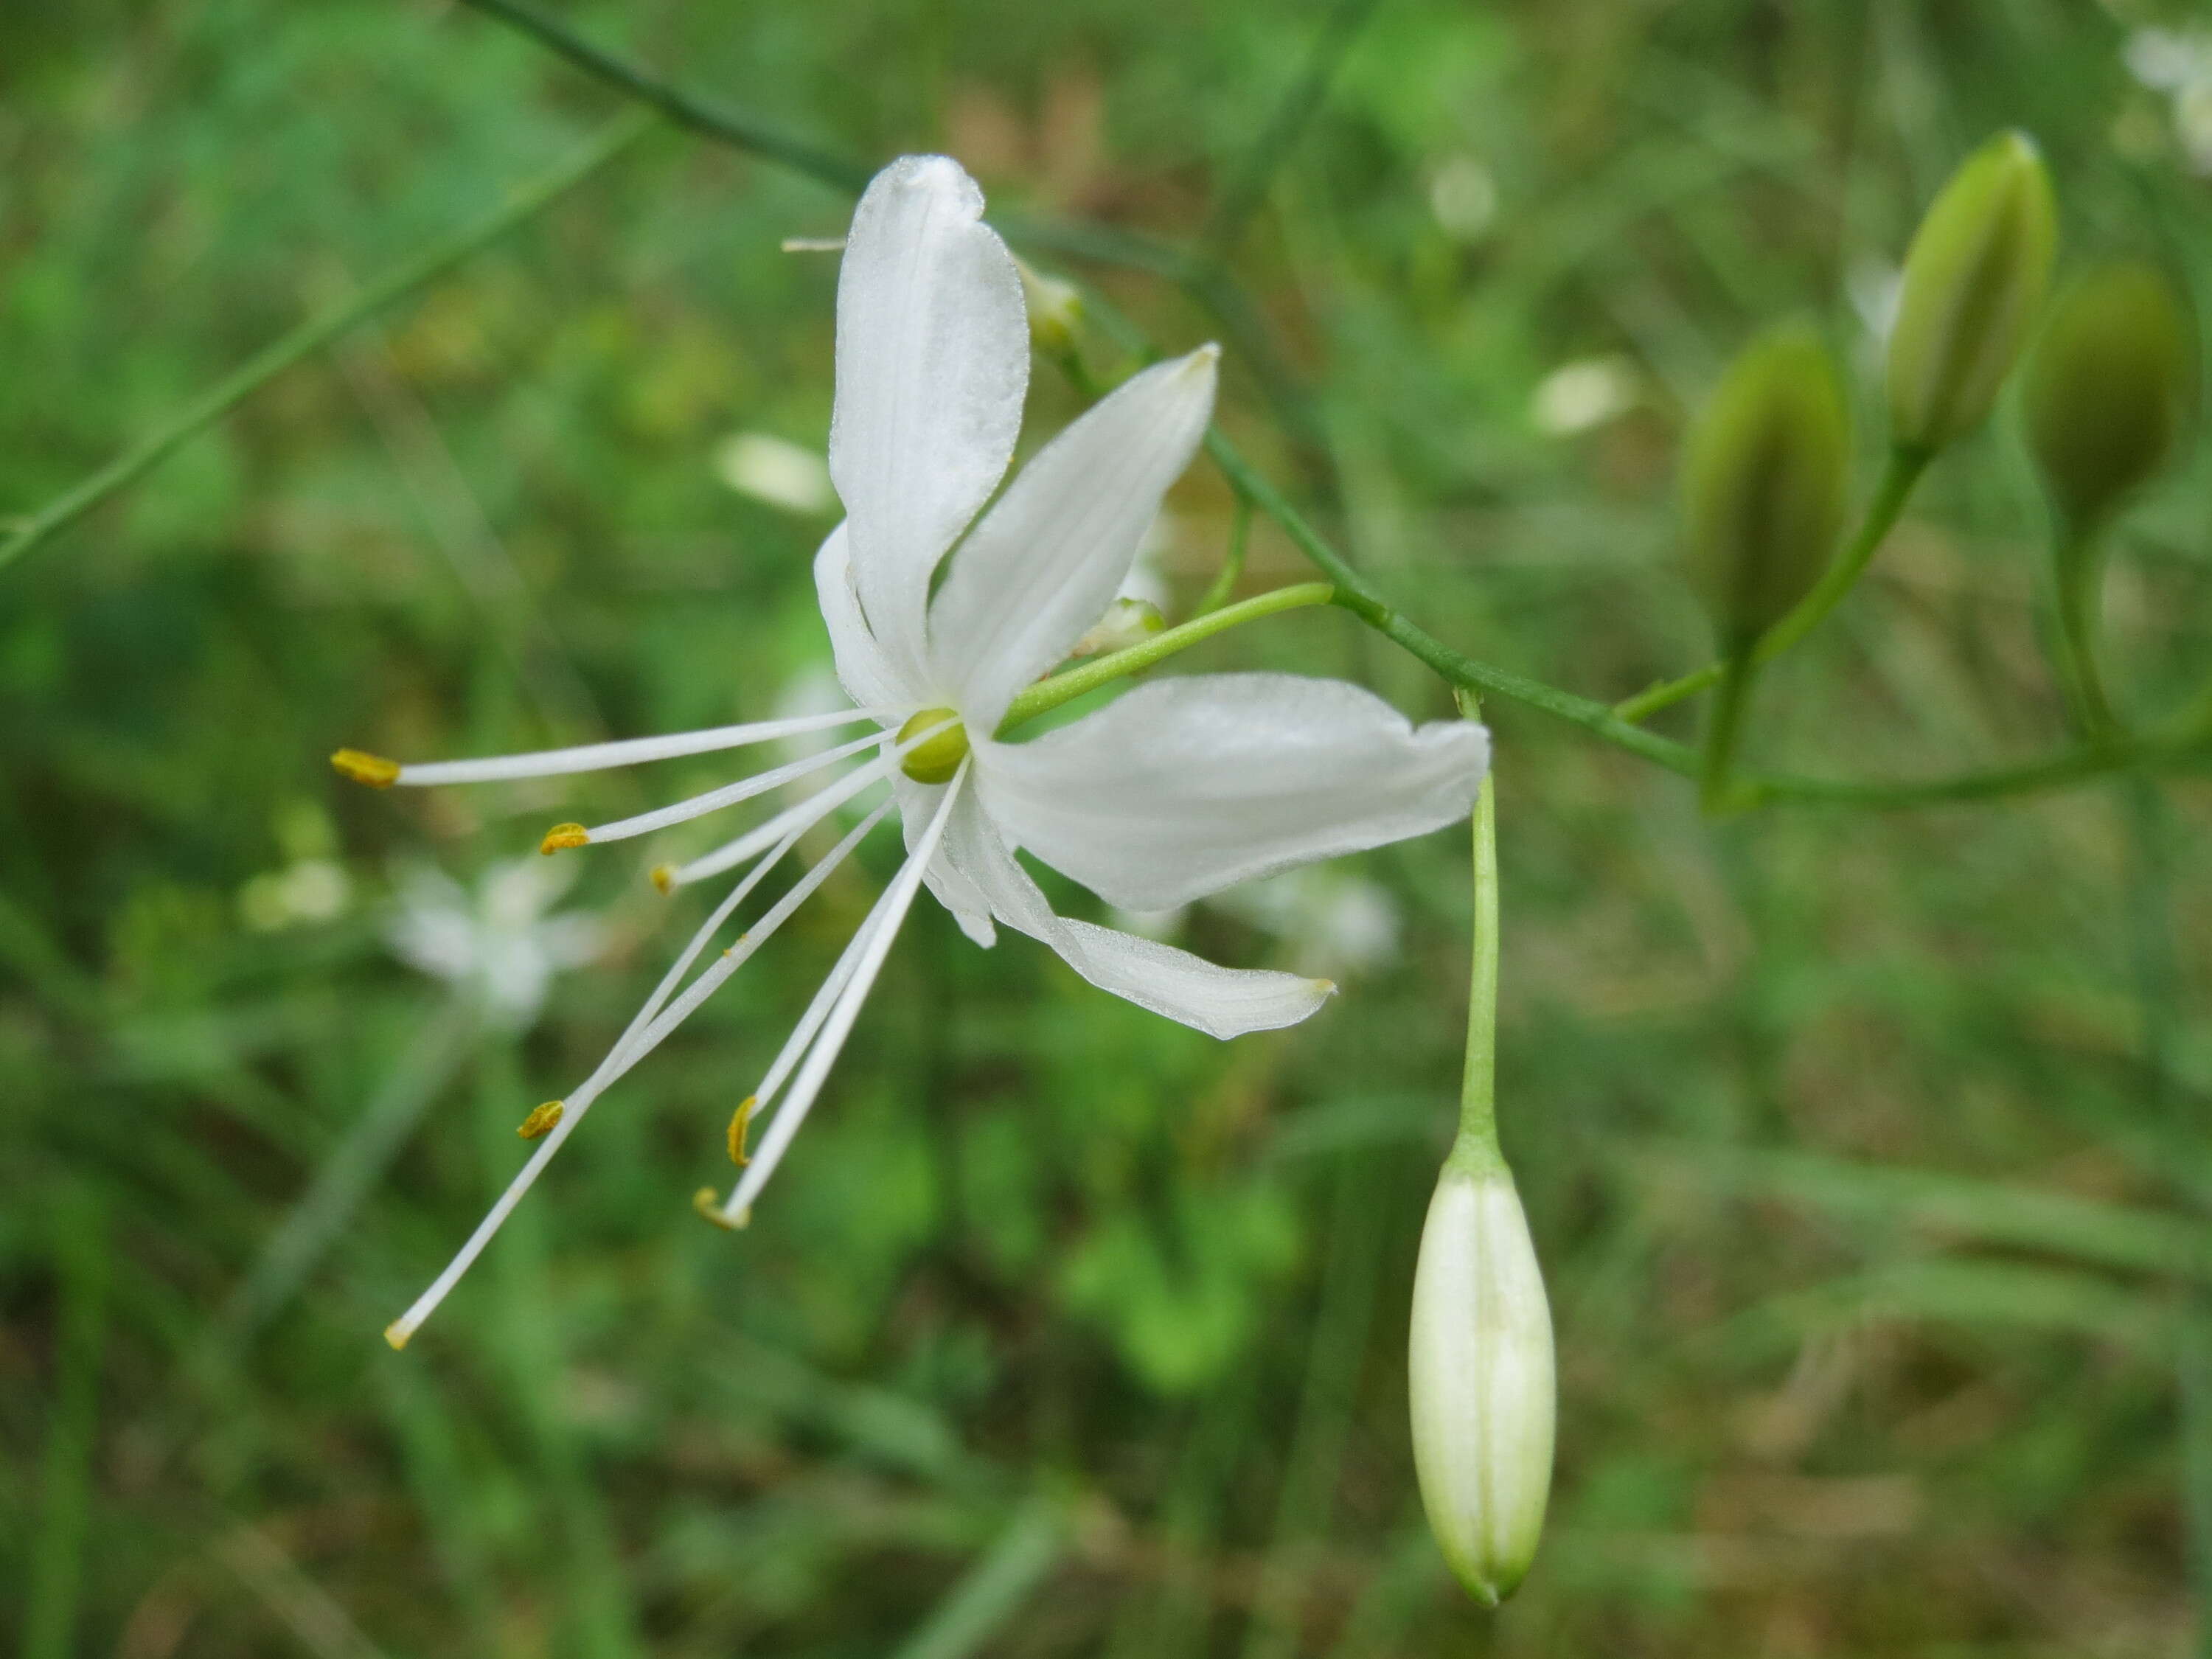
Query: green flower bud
[1481, 1370]
[2110, 386]
[1974, 279]
[1762, 483]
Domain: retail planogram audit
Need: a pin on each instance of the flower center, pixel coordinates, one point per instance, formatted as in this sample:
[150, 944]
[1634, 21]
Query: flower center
[935, 759]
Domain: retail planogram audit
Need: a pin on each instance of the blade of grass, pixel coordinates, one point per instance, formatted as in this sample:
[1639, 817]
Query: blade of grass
[57, 1567]
[993, 1590]
[272, 360]
[351, 1168]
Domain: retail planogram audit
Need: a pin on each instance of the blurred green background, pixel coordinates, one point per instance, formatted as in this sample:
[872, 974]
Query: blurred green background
[1867, 1156]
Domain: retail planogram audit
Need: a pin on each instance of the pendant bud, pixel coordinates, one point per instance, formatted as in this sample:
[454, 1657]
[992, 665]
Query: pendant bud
[1974, 279]
[2109, 389]
[1480, 1369]
[1762, 483]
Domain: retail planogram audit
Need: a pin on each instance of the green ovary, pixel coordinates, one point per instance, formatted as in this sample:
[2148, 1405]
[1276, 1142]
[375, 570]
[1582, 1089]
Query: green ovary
[936, 759]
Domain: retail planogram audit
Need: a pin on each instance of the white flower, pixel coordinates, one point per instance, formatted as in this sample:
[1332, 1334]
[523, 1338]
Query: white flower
[1480, 1365]
[1325, 917]
[1581, 395]
[775, 470]
[1178, 788]
[496, 943]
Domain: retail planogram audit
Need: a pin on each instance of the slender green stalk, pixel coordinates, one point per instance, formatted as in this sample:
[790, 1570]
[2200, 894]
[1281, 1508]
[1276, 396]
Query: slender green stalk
[1048, 694]
[1204, 280]
[1232, 564]
[1899, 473]
[1476, 1145]
[312, 336]
[2076, 594]
[1354, 594]
[2188, 742]
[1725, 730]
[700, 115]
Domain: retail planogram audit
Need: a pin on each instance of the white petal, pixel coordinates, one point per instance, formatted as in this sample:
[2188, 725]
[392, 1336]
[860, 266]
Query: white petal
[933, 360]
[1048, 559]
[1223, 1002]
[1185, 786]
[917, 805]
[867, 675]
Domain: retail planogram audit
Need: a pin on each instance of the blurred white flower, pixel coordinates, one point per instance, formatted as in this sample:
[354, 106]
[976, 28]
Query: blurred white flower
[1586, 393]
[497, 943]
[2179, 64]
[1463, 196]
[305, 891]
[1323, 916]
[775, 470]
[1327, 918]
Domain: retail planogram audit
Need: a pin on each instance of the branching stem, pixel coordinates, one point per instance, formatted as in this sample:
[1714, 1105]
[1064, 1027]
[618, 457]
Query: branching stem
[1899, 473]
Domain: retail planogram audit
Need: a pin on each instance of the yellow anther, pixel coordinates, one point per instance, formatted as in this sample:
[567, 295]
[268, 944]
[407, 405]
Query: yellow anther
[362, 767]
[564, 835]
[664, 877]
[395, 1336]
[541, 1119]
[710, 1209]
[740, 1122]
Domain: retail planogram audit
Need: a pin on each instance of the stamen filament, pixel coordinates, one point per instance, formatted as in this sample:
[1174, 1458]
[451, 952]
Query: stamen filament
[728, 795]
[629, 752]
[812, 810]
[736, 851]
[644, 1032]
[897, 899]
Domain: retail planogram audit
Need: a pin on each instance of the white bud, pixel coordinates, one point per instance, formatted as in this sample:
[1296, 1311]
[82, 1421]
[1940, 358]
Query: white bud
[1055, 308]
[1481, 1375]
[1127, 621]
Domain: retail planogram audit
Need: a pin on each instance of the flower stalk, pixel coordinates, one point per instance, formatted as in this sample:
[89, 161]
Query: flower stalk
[1050, 693]
[1475, 1147]
[1900, 474]
[1480, 1364]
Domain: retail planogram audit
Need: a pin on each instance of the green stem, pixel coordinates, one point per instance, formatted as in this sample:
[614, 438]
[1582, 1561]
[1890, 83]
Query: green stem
[1899, 473]
[1475, 1148]
[2076, 572]
[1048, 694]
[272, 360]
[710, 119]
[2186, 742]
[1355, 594]
[1726, 728]
[1232, 564]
